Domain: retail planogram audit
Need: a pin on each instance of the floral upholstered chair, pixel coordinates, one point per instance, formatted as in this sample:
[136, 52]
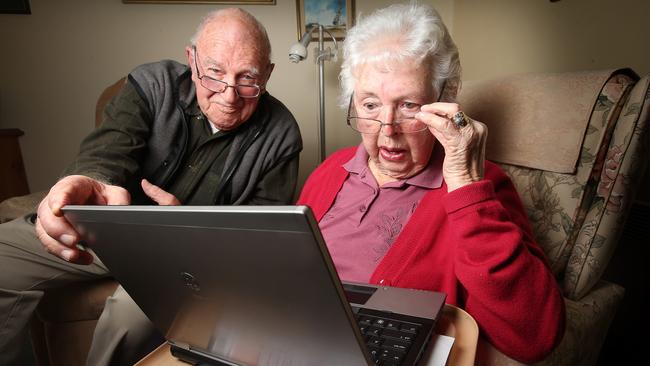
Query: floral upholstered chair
[576, 146]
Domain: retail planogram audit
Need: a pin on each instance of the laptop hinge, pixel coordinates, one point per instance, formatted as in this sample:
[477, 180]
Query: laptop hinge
[182, 345]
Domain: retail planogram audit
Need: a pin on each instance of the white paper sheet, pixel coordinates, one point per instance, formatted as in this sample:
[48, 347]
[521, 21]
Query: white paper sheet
[438, 350]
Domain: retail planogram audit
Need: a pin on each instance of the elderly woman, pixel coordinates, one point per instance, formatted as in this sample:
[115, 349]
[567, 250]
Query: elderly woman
[416, 205]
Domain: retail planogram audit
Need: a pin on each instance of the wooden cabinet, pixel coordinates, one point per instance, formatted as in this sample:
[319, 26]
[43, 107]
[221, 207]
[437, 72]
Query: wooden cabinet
[13, 180]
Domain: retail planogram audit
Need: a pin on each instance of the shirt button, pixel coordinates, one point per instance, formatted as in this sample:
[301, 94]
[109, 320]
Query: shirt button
[362, 208]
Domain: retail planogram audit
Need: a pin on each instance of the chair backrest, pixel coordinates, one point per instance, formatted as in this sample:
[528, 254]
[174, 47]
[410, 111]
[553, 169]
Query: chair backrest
[105, 97]
[575, 147]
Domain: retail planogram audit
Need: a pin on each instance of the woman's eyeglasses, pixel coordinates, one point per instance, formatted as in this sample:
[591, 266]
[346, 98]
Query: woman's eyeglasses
[404, 123]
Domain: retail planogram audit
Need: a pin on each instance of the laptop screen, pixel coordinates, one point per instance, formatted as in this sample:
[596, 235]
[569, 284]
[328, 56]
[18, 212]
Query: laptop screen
[241, 283]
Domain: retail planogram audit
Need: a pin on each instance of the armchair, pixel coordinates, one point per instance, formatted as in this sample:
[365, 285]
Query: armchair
[575, 145]
[61, 335]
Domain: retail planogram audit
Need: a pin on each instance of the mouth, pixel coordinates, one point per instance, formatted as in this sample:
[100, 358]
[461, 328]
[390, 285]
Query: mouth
[392, 153]
[227, 109]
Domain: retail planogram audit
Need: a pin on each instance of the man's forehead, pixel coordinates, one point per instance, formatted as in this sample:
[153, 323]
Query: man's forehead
[224, 59]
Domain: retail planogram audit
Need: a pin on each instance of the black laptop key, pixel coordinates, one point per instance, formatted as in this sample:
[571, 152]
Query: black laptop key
[396, 334]
[396, 345]
[381, 323]
[410, 328]
[391, 355]
[391, 324]
[364, 320]
[373, 331]
[374, 353]
[374, 341]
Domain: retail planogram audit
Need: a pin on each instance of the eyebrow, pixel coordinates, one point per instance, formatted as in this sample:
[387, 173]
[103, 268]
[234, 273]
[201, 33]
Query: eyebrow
[404, 98]
[210, 62]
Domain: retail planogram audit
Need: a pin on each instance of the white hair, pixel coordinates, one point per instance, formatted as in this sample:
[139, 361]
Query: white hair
[422, 37]
[259, 30]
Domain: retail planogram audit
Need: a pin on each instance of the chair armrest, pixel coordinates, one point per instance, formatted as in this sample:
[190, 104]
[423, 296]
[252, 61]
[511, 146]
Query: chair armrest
[15, 207]
[587, 322]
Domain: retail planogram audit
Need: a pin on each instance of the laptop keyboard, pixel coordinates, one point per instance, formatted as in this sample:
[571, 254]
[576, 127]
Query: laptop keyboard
[389, 340]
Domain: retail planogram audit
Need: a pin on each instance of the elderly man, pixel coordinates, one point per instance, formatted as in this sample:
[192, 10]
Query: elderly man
[198, 134]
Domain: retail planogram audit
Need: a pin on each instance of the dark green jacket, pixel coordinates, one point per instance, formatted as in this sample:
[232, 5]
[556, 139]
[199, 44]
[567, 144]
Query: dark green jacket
[149, 140]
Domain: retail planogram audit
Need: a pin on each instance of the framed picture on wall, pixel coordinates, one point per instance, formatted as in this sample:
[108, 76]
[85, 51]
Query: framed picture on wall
[229, 2]
[15, 7]
[336, 16]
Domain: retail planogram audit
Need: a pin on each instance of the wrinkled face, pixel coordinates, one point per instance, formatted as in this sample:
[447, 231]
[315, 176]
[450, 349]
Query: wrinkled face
[386, 93]
[226, 50]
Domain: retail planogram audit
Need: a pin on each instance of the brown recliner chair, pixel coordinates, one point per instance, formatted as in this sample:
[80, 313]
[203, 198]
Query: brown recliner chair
[64, 322]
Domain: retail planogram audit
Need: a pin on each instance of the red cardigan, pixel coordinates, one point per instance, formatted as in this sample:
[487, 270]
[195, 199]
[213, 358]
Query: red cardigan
[476, 245]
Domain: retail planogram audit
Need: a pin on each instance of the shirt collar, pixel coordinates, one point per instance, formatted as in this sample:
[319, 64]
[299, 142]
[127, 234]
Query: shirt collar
[430, 177]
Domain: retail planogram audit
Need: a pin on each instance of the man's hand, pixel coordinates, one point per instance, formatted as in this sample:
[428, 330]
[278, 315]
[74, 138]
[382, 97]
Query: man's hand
[54, 231]
[159, 195]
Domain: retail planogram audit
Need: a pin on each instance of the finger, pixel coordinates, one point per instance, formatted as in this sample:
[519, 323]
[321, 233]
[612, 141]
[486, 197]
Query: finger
[442, 127]
[483, 134]
[53, 226]
[74, 189]
[68, 253]
[441, 109]
[158, 194]
[115, 195]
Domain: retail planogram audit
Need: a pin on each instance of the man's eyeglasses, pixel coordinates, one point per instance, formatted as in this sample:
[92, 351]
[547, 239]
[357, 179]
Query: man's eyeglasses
[218, 86]
[404, 123]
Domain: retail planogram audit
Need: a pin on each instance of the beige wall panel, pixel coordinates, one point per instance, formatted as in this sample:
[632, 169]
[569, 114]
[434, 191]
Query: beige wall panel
[502, 37]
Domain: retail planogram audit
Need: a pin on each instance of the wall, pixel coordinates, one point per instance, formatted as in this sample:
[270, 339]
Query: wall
[56, 61]
[500, 37]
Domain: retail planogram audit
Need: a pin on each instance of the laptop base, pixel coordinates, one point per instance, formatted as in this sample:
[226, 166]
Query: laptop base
[193, 357]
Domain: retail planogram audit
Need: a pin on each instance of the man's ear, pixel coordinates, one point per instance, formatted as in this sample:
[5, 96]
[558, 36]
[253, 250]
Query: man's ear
[189, 53]
[269, 70]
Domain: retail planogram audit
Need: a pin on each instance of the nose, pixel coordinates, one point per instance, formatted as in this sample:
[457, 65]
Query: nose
[388, 126]
[230, 94]
[388, 129]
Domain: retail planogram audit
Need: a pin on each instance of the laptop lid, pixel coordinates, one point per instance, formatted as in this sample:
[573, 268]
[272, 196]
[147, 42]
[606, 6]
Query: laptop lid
[245, 285]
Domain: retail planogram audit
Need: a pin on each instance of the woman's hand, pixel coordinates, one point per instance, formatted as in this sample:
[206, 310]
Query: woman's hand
[464, 145]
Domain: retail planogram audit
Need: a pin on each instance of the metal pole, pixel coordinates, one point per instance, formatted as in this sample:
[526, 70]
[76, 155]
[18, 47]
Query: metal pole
[321, 93]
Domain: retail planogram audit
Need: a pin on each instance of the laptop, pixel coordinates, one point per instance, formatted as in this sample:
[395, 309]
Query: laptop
[253, 285]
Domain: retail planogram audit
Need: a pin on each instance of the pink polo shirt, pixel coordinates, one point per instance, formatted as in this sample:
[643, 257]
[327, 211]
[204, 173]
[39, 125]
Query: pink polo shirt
[365, 219]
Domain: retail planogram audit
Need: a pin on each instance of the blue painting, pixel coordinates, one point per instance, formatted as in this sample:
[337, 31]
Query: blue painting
[331, 14]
